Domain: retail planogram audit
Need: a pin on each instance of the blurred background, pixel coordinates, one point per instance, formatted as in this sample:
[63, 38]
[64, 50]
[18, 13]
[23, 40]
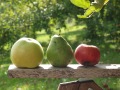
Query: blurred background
[40, 19]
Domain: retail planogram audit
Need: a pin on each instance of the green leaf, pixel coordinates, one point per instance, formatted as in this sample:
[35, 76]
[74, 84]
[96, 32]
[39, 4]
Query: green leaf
[96, 6]
[88, 12]
[101, 1]
[93, 8]
[81, 3]
[106, 1]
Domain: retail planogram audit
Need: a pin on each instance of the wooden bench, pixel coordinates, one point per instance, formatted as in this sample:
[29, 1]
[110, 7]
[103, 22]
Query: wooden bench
[71, 71]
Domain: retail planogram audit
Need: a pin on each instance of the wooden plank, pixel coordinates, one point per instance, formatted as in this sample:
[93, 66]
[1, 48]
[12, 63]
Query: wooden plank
[71, 71]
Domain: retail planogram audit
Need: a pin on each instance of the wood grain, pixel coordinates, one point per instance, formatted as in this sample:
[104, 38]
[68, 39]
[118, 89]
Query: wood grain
[71, 71]
[79, 85]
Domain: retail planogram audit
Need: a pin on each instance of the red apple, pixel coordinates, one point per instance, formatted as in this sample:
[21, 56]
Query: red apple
[87, 55]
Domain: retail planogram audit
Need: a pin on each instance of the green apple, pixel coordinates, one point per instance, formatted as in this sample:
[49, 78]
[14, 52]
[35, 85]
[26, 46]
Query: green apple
[59, 52]
[26, 53]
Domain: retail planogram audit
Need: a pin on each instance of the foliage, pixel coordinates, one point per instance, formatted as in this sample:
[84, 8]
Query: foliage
[81, 3]
[92, 7]
[105, 27]
[24, 18]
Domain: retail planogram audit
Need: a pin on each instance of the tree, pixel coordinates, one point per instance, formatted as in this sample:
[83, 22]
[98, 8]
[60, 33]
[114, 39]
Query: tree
[24, 18]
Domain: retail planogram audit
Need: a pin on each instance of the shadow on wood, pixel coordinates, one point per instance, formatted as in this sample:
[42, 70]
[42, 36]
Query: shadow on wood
[79, 85]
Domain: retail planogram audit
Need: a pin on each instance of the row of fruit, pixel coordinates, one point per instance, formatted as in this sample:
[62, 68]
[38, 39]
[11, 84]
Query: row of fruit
[28, 53]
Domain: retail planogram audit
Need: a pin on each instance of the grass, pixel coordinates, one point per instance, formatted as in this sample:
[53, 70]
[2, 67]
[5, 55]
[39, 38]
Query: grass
[75, 36]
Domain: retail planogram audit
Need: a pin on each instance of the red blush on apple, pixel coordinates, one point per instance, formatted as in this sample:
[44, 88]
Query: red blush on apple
[87, 55]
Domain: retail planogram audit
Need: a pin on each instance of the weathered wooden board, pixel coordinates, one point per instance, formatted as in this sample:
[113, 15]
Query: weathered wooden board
[72, 71]
[79, 85]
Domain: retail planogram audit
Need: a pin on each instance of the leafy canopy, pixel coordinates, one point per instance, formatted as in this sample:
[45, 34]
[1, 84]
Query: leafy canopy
[90, 7]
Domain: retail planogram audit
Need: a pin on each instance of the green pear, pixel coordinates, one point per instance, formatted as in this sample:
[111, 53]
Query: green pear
[59, 52]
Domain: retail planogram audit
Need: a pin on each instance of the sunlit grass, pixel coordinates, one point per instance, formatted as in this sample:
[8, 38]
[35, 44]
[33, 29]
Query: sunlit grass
[43, 38]
[71, 32]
